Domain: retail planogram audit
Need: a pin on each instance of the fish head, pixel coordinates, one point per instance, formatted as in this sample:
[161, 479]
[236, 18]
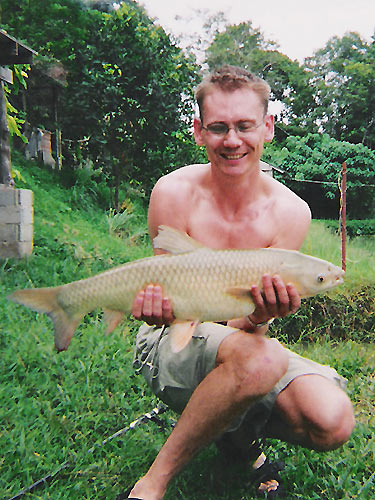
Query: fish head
[318, 276]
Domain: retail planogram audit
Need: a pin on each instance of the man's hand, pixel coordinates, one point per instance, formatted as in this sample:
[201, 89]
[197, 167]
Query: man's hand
[276, 301]
[150, 306]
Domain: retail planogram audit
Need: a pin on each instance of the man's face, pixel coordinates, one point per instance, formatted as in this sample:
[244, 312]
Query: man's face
[239, 150]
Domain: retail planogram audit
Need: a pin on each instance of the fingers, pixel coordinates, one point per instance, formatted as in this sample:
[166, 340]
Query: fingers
[138, 305]
[167, 312]
[150, 306]
[294, 297]
[276, 299]
[152, 301]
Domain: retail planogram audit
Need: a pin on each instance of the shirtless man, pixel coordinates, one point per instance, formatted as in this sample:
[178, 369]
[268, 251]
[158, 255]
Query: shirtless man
[218, 380]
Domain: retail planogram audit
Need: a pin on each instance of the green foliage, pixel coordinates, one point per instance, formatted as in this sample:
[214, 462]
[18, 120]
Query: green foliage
[318, 158]
[338, 317]
[237, 45]
[354, 227]
[141, 90]
[15, 120]
[346, 312]
[132, 88]
[343, 76]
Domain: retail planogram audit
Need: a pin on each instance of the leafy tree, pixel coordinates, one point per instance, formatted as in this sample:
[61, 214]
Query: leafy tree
[58, 30]
[55, 28]
[237, 45]
[312, 167]
[141, 84]
[343, 76]
[15, 121]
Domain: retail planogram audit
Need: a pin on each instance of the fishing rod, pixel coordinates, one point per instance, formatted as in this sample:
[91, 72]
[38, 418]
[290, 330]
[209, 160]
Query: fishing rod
[146, 417]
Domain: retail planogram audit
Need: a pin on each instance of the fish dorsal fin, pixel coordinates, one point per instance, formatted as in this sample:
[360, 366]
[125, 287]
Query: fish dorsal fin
[175, 241]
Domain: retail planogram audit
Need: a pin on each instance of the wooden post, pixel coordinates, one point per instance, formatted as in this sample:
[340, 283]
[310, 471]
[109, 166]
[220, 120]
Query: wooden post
[343, 216]
[5, 165]
[57, 148]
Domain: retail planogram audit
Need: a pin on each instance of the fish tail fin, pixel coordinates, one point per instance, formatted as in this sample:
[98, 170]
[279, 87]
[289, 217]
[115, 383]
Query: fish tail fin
[44, 300]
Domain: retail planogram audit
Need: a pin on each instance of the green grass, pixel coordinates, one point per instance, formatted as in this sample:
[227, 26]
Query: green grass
[55, 407]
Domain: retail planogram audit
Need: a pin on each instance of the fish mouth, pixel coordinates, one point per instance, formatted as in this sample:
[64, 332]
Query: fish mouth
[340, 277]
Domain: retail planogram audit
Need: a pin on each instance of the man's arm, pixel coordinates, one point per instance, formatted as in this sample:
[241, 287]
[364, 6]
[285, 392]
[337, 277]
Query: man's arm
[277, 300]
[292, 217]
[166, 207]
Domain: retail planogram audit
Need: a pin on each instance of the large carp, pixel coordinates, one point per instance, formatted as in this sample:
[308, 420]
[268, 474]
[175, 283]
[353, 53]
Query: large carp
[203, 284]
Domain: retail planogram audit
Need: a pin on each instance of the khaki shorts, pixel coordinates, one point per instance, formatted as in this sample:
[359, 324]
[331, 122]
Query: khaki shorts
[173, 377]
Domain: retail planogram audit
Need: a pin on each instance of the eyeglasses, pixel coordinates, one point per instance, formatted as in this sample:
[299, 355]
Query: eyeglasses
[242, 128]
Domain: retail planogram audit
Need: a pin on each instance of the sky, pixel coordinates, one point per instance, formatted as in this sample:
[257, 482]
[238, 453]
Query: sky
[300, 27]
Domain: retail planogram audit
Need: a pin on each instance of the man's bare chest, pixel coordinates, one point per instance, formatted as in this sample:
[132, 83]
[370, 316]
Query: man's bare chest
[242, 232]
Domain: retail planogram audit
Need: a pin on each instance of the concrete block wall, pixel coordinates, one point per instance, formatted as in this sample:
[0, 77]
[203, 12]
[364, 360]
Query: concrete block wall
[16, 222]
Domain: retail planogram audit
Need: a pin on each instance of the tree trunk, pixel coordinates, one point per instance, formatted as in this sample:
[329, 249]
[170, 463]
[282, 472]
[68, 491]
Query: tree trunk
[5, 175]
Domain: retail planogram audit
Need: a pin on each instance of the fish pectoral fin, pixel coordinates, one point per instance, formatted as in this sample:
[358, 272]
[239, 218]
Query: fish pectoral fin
[175, 241]
[112, 319]
[239, 292]
[181, 334]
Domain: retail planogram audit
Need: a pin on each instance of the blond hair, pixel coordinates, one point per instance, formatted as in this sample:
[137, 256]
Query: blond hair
[229, 78]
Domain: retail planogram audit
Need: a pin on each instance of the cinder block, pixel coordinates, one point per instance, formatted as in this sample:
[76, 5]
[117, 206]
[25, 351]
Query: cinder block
[16, 222]
[16, 232]
[14, 197]
[16, 214]
[15, 249]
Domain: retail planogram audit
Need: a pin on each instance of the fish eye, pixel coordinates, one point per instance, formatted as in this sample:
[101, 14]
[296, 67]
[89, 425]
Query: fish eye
[320, 278]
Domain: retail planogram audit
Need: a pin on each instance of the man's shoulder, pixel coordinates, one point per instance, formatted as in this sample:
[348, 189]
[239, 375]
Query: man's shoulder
[291, 215]
[174, 197]
[182, 180]
[285, 197]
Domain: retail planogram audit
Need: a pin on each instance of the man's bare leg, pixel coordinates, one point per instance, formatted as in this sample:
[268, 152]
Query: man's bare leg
[313, 412]
[248, 366]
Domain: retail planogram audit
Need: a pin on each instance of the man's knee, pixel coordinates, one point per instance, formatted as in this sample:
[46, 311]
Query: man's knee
[257, 362]
[335, 426]
[314, 412]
